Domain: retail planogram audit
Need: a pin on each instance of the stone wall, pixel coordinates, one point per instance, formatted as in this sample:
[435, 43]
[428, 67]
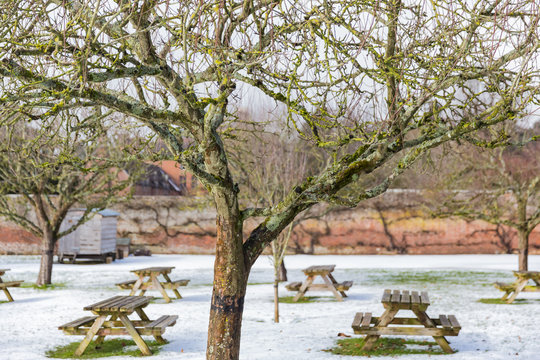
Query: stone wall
[393, 223]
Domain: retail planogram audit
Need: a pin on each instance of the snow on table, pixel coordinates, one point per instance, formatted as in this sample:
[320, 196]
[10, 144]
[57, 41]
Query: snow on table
[29, 326]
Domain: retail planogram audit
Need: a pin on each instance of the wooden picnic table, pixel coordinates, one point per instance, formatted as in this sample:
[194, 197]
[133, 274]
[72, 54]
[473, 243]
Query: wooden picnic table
[117, 309]
[148, 279]
[393, 301]
[330, 283]
[4, 285]
[522, 278]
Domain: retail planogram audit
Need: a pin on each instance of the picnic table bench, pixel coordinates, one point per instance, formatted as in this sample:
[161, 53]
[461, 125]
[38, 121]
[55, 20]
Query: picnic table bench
[393, 301]
[148, 279]
[5, 285]
[513, 289]
[117, 309]
[330, 283]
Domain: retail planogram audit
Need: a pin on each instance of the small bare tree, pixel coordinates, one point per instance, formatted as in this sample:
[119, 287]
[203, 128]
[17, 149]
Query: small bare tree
[52, 162]
[502, 187]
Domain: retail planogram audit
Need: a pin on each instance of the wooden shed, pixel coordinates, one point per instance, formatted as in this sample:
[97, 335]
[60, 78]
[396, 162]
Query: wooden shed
[95, 239]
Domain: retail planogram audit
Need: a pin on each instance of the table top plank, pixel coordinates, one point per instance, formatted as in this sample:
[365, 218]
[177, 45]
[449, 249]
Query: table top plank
[154, 269]
[424, 298]
[319, 269]
[415, 299]
[396, 296]
[120, 304]
[405, 297]
[386, 296]
[102, 303]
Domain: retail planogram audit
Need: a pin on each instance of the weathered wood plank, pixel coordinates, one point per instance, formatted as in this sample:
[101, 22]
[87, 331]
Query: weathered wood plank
[424, 298]
[454, 322]
[15, 283]
[407, 330]
[415, 299]
[79, 322]
[357, 320]
[444, 322]
[345, 285]
[163, 322]
[387, 294]
[366, 321]
[319, 269]
[396, 296]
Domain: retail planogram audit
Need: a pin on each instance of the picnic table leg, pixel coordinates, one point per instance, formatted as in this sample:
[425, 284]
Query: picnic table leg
[506, 294]
[8, 295]
[385, 319]
[335, 282]
[517, 290]
[158, 286]
[90, 334]
[428, 323]
[135, 335]
[101, 338]
[175, 291]
[331, 287]
[145, 317]
[136, 286]
[303, 288]
[6, 291]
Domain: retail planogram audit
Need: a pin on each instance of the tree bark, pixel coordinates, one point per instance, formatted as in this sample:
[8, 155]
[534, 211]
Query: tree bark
[276, 300]
[47, 252]
[523, 250]
[230, 282]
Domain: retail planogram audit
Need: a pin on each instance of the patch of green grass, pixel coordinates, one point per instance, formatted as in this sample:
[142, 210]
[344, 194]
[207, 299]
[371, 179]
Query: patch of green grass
[43, 287]
[305, 299]
[113, 347]
[414, 277]
[386, 347]
[260, 283]
[3, 301]
[499, 301]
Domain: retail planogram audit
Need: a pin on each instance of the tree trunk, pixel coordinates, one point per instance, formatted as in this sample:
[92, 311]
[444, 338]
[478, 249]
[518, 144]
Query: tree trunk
[523, 250]
[230, 281]
[276, 300]
[47, 253]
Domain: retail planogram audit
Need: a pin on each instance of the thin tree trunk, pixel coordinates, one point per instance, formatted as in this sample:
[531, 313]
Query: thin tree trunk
[276, 300]
[47, 253]
[230, 281]
[523, 250]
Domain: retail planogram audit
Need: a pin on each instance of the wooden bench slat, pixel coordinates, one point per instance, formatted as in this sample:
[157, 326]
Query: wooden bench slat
[78, 322]
[505, 286]
[15, 283]
[162, 322]
[294, 286]
[366, 320]
[444, 322]
[344, 285]
[405, 297]
[129, 282]
[174, 284]
[357, 320]
[454, 322]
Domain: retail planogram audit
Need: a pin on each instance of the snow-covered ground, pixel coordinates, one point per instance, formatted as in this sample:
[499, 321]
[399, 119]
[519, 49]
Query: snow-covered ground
[29, 326]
